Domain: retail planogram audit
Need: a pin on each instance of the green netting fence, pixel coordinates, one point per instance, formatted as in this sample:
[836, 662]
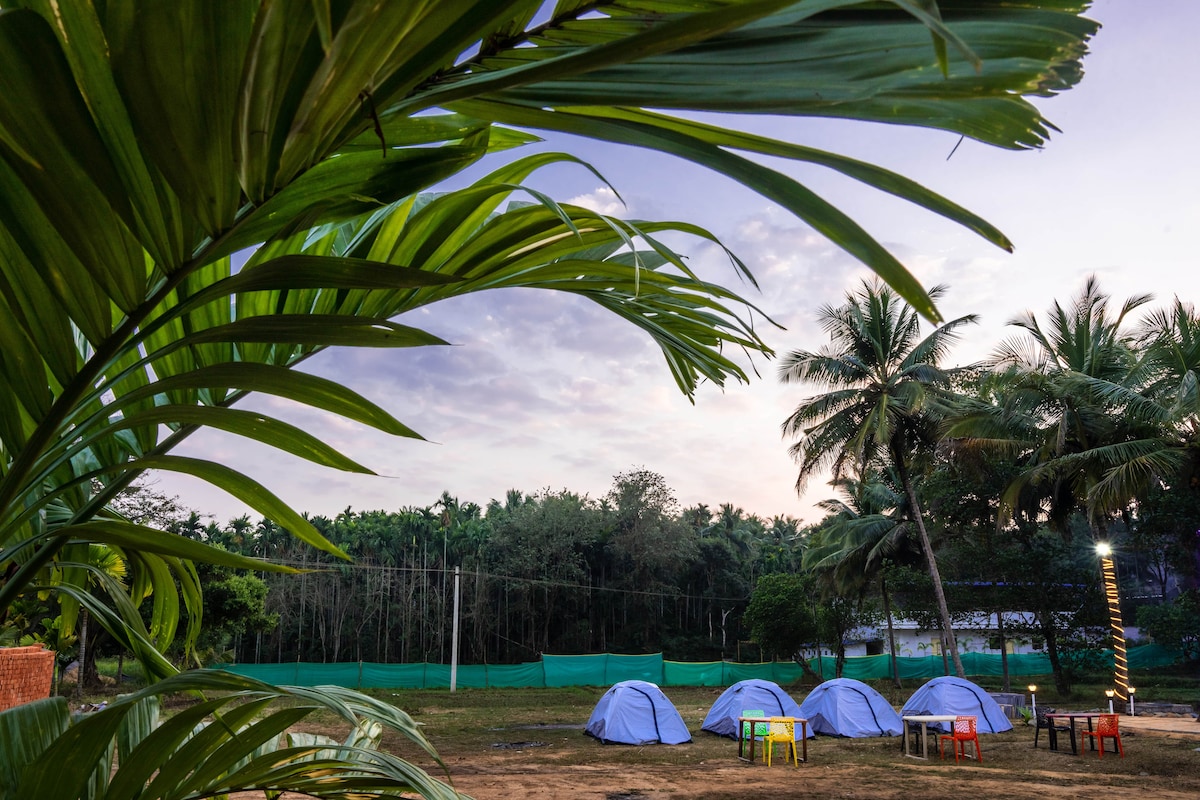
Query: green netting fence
[605, 669]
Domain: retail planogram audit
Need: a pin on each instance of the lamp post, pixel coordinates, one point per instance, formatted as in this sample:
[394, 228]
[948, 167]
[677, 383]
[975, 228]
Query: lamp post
[1120, 663]
[1132, 713]
[1033, 699]
[1109, 694]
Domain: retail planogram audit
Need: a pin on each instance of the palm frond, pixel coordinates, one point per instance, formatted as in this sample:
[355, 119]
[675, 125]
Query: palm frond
[234, 742]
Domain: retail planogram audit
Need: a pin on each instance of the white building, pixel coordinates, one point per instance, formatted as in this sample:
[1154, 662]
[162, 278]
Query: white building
[978, 634]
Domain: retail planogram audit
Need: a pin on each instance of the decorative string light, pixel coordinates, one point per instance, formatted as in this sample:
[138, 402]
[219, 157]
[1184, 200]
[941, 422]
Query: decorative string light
[1120, 662]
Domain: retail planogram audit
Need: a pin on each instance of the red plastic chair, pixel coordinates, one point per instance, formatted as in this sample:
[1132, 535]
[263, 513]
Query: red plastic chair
[964, 731]
[1107, 728]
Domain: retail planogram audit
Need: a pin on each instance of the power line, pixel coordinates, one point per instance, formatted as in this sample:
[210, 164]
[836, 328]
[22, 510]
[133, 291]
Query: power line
[331, 567]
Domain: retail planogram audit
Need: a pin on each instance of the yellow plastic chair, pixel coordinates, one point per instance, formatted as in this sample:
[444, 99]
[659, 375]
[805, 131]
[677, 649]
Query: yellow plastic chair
[783, 730]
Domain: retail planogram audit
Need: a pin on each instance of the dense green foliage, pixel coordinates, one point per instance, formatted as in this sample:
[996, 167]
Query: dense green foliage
[1175, 625]
[549, 572]
[1079, 432]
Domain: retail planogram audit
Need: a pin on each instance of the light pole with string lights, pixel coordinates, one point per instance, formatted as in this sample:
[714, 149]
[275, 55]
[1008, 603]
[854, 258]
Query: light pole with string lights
[1120, 663]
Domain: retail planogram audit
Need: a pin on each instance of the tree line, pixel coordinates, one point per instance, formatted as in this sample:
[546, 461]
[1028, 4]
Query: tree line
[1014, 468]
[540, 572]
[990, 482]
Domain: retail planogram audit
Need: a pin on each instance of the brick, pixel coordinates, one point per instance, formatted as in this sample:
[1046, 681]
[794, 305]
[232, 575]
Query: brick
[26, 674]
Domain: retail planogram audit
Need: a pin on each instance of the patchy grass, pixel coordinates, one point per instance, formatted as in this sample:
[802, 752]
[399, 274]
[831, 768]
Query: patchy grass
[472, 722]
[500, 743]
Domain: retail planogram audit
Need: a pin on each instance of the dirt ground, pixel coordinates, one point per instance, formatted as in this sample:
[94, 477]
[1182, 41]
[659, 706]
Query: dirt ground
[1011, 769]
[489, 751]
[724, 781]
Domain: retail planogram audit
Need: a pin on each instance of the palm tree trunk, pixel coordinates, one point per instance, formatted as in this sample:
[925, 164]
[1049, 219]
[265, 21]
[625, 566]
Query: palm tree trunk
[887, 610]
[948, 640]
[83, 634]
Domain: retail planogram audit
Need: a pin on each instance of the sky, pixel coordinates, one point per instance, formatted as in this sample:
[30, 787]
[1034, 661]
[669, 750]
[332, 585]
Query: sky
[542, 392]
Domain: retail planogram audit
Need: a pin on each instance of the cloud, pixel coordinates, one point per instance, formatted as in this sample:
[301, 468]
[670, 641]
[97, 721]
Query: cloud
[549, 391]
[602, 200]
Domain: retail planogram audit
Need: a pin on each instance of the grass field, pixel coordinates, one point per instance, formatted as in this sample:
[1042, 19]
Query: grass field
[530, 742]
[501, 743]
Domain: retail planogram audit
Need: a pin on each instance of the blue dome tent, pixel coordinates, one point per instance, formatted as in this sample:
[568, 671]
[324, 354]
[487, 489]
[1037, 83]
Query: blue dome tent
[636, 712]
[951, 695]
[722, 718]
[846, 707]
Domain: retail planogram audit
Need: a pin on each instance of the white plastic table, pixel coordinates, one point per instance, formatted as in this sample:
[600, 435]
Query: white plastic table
[924, 720]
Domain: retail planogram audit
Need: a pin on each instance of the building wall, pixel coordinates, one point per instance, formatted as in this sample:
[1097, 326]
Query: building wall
[977, 635]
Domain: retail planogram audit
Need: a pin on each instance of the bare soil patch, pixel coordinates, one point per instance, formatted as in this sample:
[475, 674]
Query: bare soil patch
[1010, 769]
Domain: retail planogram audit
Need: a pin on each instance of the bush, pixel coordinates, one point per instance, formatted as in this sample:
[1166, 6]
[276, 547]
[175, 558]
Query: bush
[1175, 626]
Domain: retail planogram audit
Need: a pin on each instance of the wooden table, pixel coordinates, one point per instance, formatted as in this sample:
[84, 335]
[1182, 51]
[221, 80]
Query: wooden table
[924, 720]
[742, 739]
[1071, 716]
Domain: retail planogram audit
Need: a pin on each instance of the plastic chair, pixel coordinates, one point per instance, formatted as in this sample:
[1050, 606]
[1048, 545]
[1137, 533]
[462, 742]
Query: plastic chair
[964, 731]
[760, 728]
[755, 730]
[1042, 724]
[1107, 728]
[781, 729]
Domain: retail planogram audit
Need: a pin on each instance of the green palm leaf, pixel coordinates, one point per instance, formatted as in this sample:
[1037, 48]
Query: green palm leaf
[192, 204]
[231, 742]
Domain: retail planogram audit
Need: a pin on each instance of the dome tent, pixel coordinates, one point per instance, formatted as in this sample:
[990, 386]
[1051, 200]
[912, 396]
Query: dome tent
[722, 718]
[846, 707]
[636, 712]
[951, 695]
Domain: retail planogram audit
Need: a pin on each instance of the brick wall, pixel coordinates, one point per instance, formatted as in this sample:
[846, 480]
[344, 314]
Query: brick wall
[25, 674]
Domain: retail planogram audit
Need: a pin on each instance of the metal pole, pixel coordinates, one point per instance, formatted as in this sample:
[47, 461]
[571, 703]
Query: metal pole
[454, 634]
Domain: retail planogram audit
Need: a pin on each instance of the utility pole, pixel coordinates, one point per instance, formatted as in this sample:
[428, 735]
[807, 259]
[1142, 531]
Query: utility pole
[454, 633]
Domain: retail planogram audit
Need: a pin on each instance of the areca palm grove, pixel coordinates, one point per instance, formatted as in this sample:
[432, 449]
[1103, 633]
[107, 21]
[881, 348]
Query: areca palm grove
[193, 203]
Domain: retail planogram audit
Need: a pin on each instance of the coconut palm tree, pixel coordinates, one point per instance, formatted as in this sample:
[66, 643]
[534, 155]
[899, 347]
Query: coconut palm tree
[1170, 341]
[193, 203]
[864, 534]
[884, 404]
[1071, 397]
[1064, 401]
[1156, 405]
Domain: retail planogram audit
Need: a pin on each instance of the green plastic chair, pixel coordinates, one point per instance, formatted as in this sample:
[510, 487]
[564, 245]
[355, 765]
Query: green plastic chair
[761, 729]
